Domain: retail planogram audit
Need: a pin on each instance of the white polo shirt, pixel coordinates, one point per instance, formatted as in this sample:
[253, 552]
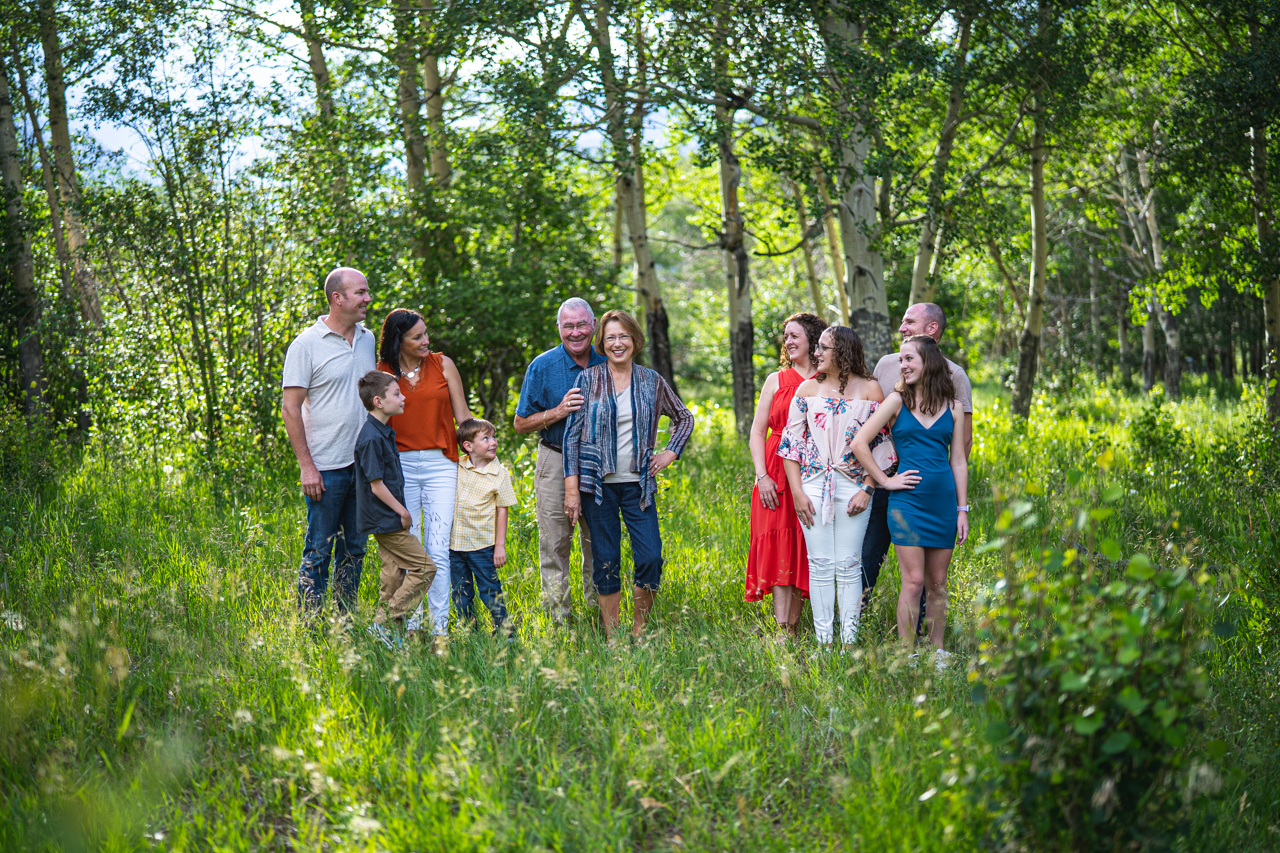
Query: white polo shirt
[321, 360]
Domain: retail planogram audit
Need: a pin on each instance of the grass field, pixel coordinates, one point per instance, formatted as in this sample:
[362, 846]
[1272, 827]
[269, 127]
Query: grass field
[160, 693]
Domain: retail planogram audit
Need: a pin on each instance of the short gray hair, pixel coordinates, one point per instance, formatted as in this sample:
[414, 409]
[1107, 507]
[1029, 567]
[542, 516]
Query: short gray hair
[338, 281]
[576, 303]
[933, 313]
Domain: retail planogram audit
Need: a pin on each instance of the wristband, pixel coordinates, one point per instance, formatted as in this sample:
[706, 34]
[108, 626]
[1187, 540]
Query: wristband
[964, 508]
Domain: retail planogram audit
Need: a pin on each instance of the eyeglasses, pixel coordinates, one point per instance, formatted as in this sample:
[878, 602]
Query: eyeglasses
[823, 347]
[577, 327]
[618, 339]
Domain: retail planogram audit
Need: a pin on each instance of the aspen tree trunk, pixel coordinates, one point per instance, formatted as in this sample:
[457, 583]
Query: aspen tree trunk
[1168, 322]
[733, 244]
[316, 59]
[831, 225]
[1263, 215]
[616, 248]
[810, 269]
[1122, 340]
[864, 266]
[64, 166]
[433, 89]
[409, 103]
[931, 229]
[737, 280]
[62, 252]
[1149, 348]
[323, 82]
[21, 270]
[1095, 311]
[625, 138]
[1029, 343]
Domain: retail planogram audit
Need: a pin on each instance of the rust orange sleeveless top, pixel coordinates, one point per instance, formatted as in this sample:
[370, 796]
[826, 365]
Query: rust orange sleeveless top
[427, 422]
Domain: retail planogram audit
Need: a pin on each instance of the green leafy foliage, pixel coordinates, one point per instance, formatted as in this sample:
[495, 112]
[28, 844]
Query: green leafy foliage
[1099, 693]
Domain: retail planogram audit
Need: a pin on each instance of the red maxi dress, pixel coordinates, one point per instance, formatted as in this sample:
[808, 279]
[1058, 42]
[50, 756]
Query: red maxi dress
[777, 556]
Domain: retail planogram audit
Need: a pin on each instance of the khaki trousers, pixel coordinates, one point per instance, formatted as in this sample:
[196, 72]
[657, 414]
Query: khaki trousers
[406, 574]
[555, 536]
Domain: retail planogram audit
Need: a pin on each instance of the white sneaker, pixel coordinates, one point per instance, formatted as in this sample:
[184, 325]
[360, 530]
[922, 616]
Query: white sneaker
[414, 622]
[942, 660]
[382, 635]
[913, 660]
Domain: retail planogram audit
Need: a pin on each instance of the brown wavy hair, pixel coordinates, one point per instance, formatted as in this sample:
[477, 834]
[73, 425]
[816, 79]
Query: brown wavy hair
[813, 326]
[851, 360]
[937, 390]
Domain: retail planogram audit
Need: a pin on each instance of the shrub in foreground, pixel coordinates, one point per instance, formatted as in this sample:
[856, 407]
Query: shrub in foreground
[1096, 695]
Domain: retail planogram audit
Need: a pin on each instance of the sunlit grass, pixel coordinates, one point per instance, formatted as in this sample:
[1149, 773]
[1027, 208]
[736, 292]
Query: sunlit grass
[160, 691]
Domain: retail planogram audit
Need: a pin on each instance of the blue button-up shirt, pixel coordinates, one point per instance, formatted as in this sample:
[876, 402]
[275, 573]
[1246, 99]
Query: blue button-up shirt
[547, 380]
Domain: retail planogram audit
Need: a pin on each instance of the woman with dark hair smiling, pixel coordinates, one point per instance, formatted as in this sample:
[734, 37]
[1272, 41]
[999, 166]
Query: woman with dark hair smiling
[777, 563]
[611, 469]
[427, 438]
[929, 496]
[830, 487]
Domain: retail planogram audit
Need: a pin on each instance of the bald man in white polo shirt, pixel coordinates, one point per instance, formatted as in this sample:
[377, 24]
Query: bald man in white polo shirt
[322, 417]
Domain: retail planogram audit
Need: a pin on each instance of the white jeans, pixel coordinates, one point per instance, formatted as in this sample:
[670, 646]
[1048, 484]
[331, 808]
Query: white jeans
[430, 487]
[835, 561]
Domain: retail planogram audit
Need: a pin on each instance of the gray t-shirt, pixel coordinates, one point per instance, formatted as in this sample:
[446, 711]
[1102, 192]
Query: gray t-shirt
[888, 373]
[322, 361]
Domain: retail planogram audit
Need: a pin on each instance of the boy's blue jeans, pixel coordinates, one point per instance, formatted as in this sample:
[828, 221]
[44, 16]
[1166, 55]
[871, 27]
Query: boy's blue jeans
[332, 537]
[472, 571]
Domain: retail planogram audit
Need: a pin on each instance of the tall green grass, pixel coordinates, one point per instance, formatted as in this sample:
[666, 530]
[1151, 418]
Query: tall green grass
[160, 692]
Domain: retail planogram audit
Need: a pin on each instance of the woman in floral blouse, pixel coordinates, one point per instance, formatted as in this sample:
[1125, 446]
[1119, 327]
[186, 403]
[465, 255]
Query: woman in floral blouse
[830, 489]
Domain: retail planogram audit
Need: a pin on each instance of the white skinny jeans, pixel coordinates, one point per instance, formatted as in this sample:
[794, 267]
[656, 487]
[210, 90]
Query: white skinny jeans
[430, 487]
[835, 561]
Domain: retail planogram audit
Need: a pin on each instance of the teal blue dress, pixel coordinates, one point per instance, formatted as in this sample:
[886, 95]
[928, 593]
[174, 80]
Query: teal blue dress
[926, 515]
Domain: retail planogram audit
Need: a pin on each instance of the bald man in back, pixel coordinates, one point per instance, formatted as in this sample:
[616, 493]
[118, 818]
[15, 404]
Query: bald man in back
[322, 417]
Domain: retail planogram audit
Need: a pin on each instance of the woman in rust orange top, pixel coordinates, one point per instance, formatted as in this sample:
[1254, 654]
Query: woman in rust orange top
[427, 438]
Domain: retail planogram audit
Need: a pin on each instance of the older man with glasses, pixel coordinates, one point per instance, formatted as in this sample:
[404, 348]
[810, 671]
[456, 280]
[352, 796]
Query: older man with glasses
[550, 394]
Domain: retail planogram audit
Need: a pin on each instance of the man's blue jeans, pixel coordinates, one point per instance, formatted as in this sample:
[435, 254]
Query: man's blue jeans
[332, 537]
[471, 572]
[875, 546]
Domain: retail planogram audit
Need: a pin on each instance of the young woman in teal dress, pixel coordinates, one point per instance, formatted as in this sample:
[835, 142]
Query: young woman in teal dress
[928, 497]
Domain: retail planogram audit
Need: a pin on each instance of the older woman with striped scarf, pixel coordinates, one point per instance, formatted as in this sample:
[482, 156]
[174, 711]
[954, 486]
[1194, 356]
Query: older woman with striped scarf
[610, 467]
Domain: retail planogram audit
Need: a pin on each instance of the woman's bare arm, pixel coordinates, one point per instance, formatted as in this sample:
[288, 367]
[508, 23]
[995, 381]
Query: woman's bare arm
[960, 470]
[759, 434]
[457, 399]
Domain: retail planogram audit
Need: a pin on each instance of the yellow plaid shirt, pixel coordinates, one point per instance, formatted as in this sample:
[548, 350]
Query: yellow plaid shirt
[475, 512]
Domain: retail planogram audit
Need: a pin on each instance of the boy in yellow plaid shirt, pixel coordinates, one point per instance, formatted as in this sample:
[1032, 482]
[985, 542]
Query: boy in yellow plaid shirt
[478, 543]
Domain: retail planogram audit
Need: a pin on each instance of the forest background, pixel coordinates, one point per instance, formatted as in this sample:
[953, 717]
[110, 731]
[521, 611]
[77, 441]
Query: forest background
[1085, 186]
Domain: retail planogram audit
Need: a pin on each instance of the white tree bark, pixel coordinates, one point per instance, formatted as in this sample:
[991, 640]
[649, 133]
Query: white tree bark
[931, 229]
[64, 166]
[864, 266]
[21, 270]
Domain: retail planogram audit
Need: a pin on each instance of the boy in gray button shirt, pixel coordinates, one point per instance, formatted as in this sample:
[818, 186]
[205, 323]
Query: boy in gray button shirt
[322, 416]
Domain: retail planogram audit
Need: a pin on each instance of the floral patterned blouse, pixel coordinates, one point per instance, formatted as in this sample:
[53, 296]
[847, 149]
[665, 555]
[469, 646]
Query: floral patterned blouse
[819, 435]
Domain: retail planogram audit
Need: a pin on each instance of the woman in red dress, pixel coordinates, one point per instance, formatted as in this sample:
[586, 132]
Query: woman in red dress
[777, 563]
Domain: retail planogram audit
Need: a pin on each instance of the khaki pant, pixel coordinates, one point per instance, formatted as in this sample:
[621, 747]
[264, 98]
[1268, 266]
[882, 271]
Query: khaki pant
[407, 571]
[555, 536]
